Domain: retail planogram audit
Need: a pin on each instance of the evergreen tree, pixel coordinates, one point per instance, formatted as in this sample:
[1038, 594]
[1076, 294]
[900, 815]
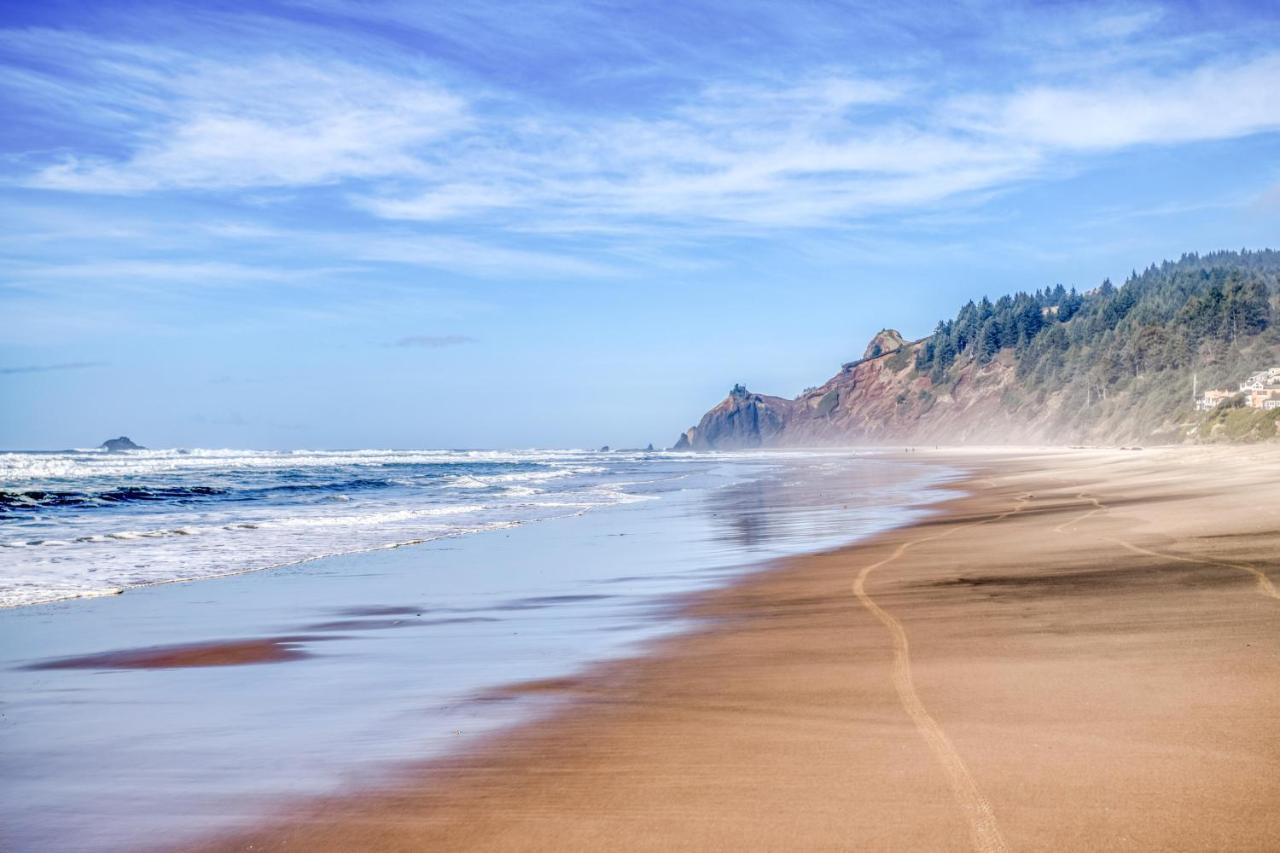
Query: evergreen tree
[988, 341]
[1123, 346]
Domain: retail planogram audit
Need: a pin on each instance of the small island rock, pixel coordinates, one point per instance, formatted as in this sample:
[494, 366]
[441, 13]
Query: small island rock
[120, 445]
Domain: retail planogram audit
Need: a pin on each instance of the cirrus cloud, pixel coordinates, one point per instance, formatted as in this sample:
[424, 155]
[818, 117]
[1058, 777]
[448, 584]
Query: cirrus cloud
[434, 341]
[47, 368]
[273, 122]
[813, 145]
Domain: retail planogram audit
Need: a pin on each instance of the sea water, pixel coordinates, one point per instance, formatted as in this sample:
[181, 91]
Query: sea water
[526, 566]
[88, 522]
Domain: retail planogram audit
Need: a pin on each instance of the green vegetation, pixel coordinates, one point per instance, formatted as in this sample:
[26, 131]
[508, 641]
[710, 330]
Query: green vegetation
[899, 360]
[1235, 423]
[1122, 358]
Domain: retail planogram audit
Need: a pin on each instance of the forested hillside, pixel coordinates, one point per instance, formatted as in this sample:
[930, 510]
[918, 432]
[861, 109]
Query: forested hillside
[1131, 352]
[1111, 364]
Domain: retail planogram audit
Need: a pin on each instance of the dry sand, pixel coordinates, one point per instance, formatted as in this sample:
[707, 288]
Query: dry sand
[1081, 652]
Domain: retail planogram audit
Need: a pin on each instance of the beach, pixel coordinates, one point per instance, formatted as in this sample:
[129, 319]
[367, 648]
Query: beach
[1078, 650]
[609, 427]
[180, 710]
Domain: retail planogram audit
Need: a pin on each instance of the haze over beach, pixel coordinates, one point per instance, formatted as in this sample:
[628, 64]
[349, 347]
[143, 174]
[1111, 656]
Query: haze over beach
[580, 426]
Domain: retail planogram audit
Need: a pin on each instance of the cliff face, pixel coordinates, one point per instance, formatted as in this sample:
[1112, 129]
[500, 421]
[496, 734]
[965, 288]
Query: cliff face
[883, 399]
[1113, 364]
[885, 341]
[876, 400]
[741, 420]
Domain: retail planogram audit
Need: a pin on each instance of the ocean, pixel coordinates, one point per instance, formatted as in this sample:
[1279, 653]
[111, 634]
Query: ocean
[410, 586]
[86, 522]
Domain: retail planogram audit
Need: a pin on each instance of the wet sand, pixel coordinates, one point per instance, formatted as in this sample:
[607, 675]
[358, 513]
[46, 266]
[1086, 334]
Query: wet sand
[226, 653]
[1081, 651]
[166, 715]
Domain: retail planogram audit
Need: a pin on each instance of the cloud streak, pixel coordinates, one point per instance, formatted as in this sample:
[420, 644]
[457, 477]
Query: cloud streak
[434, 341]
[831, 145]
[1219, 100]
[49, 368]
[218, 116]
[428, 164]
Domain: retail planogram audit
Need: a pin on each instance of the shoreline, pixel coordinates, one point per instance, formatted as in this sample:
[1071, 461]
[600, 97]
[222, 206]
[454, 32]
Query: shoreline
[1047, 686]
[211, 706]
[66, 596]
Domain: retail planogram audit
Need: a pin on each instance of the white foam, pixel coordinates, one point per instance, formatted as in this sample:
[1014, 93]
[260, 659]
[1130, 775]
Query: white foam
[101, 547]
[19, 468]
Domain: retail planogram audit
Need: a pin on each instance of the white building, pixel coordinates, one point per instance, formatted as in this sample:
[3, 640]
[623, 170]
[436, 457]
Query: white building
[1211, 399]
[1261, 390]
[1258, 400]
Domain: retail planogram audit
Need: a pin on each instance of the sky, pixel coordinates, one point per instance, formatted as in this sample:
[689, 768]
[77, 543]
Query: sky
[332, 224]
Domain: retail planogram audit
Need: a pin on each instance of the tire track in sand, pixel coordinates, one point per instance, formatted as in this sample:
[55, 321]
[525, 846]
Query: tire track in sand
[1097, 508]
[1265, 585]
[983, 828]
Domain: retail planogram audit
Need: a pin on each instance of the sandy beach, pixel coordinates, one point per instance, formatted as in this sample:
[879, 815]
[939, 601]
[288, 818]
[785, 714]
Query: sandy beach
[606, 427]
[176, 712]
[1079, 651]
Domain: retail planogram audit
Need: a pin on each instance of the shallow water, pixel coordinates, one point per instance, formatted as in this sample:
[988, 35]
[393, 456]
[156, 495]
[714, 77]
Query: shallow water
[395, 655]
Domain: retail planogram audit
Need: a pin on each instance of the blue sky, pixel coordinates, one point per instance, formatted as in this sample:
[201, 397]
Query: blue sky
[334, 224]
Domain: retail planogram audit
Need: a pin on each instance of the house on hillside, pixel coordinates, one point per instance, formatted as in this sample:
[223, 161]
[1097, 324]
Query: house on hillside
[1259, 399]
[1261, 391]
[1212, 399]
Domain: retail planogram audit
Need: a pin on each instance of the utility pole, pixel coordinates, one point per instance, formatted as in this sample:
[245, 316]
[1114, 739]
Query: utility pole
[1195, 383]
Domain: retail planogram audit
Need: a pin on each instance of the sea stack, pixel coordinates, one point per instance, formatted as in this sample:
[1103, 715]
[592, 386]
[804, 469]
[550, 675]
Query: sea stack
[120, 445]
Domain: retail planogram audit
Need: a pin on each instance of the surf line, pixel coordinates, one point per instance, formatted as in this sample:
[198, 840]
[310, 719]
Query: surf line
[983, 828]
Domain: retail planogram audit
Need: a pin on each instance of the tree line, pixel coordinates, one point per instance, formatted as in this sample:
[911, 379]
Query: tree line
[1207, 313]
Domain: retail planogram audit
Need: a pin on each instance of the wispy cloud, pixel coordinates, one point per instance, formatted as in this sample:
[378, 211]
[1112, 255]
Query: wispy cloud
[48, 368]
[810, 150]
[176, 272]
[807, 155]
[471, 256]
[454, 165]
[1217, 100]
[273, 121]
[434, 341]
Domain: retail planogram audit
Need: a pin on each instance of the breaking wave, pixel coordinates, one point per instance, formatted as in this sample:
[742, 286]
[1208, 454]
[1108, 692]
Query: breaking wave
[86, 522]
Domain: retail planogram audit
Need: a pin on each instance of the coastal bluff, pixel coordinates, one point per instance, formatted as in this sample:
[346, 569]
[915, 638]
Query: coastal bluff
[1110, 365]
[860, 403]
[740, 420]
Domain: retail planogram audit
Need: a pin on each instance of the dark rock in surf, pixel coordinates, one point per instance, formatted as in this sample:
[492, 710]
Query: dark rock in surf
[120, 445]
